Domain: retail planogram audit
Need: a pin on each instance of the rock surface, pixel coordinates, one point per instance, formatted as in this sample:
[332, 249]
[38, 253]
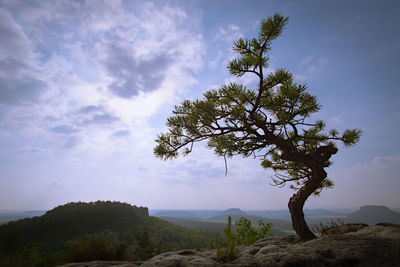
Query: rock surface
[180, 258]
[343, 229]
[377, 245]
[101, 264]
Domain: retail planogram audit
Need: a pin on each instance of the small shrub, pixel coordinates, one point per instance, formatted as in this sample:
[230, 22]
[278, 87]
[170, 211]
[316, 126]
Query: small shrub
[247, 235]
[226, 253]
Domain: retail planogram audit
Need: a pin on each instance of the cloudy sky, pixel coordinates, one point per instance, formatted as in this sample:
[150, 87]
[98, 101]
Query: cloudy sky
[86, 86]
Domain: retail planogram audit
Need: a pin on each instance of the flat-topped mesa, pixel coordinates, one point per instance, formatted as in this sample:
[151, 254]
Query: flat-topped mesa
[143, 211]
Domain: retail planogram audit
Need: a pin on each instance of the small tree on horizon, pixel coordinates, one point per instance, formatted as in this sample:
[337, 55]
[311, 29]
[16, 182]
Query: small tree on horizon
[268, 122]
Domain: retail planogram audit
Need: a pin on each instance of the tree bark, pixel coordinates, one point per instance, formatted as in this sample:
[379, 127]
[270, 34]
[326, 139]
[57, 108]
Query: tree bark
[296, 204]
[298, 222]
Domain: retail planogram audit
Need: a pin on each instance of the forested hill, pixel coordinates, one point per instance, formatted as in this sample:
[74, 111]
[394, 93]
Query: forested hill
[75, 219]
[89, 231]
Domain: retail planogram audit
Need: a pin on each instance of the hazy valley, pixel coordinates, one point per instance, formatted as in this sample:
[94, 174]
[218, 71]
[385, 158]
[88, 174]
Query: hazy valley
[118, 231]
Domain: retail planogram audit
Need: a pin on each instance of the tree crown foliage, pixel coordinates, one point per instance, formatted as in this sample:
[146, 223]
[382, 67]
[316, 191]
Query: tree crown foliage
[269, 122]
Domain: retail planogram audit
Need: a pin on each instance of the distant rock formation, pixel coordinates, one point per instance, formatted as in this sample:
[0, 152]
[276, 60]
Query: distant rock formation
[144, 211]
[373, 214]
[377, 245]
[235, 211]
[176, 214]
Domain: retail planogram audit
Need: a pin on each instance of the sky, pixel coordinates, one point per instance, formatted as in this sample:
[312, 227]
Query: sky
[86, 86]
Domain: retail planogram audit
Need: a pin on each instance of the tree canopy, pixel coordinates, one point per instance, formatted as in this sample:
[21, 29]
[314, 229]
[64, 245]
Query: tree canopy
[270, 122]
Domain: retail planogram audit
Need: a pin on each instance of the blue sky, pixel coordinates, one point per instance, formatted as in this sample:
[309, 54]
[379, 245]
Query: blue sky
[86, 86]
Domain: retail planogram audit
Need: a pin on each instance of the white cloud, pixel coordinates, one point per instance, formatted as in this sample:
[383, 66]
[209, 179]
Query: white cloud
[310, 66]
[131, 75]
[216, 61]
[15, 43]
[21, 80]
[121, 133]
[249, 80]
[104, 15]
[229, 33]
[67, 61]
[94, 115]
[384, 168]
[64, 129]
[35, 151]
[337, 120]
[72, 142]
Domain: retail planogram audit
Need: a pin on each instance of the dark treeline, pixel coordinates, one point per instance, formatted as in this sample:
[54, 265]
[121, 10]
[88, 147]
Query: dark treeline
[93, 231]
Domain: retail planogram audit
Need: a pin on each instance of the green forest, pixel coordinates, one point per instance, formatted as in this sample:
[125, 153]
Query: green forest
[102, 230]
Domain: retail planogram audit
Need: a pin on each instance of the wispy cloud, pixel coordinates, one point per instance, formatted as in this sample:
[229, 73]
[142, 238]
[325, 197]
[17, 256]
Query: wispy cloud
[72, 142]
[21, 81]
[132, 75]
[38, 151]
[121, 133]
[100, 119]
[229, 33]
[100, 66]
[90, 109]
[310, 66]
[64, 129]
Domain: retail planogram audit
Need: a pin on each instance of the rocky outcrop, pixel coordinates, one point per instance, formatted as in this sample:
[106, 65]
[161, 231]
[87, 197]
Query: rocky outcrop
[101, 264]
[343, 229]
[181, 258]
[377, 245]
[370, 246]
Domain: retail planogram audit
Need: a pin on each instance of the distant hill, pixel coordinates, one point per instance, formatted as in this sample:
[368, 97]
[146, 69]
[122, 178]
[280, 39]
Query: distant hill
[273, 214]
[310, 214]
[314, 215]
[218, 225]
[317, 216]
[276, 223]
[176, 214]
[203, 214]
[214, 221]
[234, 211]
[93, 231]
[396, 209]
[373, 214]
[202, 225]
[321, 213]
[11, 215]
[28, 213]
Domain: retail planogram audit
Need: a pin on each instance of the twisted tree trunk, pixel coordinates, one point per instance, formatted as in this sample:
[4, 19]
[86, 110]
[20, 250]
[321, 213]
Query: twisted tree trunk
[296, 203]
[316, 162]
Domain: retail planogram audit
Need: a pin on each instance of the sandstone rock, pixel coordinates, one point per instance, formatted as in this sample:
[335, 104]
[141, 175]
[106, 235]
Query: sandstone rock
[377, 245]
[180, 258]
[370, 246]
[343, 229]
[102, 264]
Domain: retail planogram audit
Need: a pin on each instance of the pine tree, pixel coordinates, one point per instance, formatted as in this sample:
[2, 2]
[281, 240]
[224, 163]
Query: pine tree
[269, 122]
